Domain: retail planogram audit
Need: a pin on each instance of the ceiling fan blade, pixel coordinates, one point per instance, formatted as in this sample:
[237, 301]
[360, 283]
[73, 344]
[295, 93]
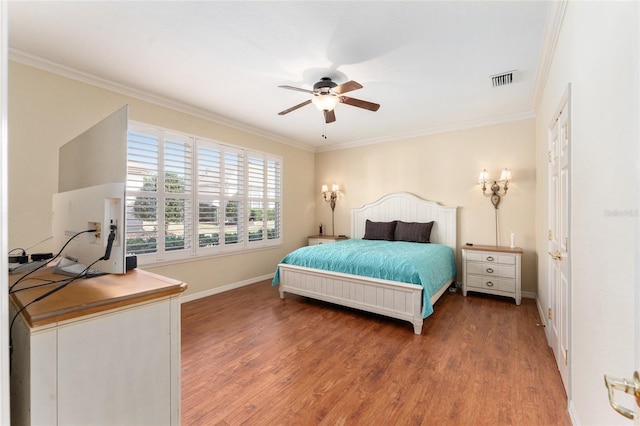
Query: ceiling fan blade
[329, 116]
[347, 87]
[293, 108]
[296, 88]
[359, 103]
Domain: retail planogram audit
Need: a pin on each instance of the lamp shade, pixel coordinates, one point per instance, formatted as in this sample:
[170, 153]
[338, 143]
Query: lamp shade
[325, 102]
[505, 176]
[484, 176]
[324, 188]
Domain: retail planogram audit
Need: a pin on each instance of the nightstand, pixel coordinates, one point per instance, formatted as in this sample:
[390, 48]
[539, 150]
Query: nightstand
[323, 239]
[492, 270]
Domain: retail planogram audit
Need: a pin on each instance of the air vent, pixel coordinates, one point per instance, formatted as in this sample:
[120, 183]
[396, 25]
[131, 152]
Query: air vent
[502, 79]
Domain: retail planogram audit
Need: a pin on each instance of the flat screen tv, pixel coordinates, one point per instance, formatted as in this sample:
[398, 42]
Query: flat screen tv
[91, 195]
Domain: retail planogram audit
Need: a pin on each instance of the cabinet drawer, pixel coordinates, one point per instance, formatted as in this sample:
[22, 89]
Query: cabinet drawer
[316, 241]
[479, 256]
[490, 269]
[479, 282]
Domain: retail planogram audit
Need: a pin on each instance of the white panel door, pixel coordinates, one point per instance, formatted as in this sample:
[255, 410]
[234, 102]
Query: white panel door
[558, 245]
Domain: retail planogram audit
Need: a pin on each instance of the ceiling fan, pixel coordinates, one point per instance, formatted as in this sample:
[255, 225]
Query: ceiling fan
[327, 94]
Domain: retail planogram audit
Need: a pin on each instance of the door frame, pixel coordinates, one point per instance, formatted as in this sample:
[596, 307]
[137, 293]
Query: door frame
[4, 227]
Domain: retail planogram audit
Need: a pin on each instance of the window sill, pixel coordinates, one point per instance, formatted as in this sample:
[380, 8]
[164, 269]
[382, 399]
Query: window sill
[156, 263]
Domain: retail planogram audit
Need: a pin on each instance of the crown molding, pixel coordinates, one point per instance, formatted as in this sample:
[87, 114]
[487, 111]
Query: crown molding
[67, 72]
[452, 127]
[555, 17]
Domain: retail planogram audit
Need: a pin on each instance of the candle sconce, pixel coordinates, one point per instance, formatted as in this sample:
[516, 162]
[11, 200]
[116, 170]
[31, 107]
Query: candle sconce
[331, 197]
[497, 189]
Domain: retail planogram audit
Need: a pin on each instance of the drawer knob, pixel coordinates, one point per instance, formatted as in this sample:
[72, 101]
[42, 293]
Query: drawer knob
[489, 284]
[490, 258]
[490, 270]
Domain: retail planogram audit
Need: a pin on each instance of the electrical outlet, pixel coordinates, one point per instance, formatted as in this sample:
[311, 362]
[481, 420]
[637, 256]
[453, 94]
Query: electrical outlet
[98, 227]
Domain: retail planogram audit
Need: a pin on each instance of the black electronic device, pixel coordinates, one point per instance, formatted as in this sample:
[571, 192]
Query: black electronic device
[41, 256]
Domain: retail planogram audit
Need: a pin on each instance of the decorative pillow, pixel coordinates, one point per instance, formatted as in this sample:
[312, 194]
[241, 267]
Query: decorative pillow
[414, 232]
[379, 230]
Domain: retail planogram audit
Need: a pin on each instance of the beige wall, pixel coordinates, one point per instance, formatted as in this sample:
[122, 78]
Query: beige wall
[597, 53]
[444, 168]
[47, 110]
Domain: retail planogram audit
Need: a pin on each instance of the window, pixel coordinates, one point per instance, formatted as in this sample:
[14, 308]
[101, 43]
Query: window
[190, 197]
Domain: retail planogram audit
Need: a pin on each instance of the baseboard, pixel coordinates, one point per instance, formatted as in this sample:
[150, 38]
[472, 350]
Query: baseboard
[573, 414]
[543, 319]
[541, 312]
[216, 290]
[525, 294]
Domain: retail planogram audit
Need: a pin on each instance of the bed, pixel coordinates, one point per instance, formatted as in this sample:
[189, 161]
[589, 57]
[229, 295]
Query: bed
[408, 301]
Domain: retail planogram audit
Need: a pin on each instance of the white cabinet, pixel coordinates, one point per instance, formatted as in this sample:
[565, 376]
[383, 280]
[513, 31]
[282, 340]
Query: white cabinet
[323, 239]
[492, 270]
[119, 366]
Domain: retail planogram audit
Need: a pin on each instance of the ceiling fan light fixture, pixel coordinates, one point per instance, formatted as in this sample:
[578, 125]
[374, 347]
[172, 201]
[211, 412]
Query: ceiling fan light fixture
[326, 94]
[325, 102]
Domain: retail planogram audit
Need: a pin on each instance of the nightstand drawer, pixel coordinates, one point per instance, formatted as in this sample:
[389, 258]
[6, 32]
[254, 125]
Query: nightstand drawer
[489, 269]
[314, 240]
[485, 283]
[506, 259]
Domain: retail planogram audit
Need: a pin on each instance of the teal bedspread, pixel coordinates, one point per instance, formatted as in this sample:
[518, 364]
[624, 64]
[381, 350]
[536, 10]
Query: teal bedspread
[430, 265]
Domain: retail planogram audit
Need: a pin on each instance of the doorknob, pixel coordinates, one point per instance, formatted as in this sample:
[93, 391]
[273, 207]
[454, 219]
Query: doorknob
[556, 255]
[631, 387]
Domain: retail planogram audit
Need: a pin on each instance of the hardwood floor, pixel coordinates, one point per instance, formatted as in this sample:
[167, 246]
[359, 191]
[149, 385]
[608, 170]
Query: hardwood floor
[250, 358]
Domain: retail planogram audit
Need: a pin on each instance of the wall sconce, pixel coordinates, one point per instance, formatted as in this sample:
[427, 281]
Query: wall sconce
[331, 197]
[496, 192]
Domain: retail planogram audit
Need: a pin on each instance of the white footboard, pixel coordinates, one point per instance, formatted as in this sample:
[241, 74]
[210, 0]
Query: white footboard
[389, 298]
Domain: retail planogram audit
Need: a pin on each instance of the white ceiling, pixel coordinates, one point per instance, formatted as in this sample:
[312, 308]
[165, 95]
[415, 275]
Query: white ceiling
[428, 63]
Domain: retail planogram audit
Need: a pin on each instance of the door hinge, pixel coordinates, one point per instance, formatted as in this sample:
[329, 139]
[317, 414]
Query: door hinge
[566, 357]
[549, 154]
[550, 235]
[549, 314]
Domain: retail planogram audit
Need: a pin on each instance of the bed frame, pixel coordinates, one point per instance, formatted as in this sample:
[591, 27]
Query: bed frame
[390, 298]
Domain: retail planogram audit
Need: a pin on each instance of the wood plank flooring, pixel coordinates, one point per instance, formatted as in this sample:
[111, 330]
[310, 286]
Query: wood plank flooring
[250, 358]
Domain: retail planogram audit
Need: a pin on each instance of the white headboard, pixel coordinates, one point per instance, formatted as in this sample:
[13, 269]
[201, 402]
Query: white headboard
[408, 208]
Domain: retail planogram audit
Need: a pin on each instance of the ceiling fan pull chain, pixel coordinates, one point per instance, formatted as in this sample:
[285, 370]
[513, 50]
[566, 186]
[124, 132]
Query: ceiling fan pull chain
[324, 130]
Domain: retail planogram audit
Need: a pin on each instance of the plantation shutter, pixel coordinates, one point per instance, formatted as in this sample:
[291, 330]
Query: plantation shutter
[178, 209]
[189, 196]
[209, 196]
[274, 200]
[142, 192]
[264, 197]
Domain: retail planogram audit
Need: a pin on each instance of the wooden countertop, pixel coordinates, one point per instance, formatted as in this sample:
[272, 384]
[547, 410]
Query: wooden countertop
[501, 249]
[88, 296]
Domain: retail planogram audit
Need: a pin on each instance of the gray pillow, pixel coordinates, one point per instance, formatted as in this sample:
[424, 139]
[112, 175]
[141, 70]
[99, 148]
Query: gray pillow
[414, 232]
[379, 230]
